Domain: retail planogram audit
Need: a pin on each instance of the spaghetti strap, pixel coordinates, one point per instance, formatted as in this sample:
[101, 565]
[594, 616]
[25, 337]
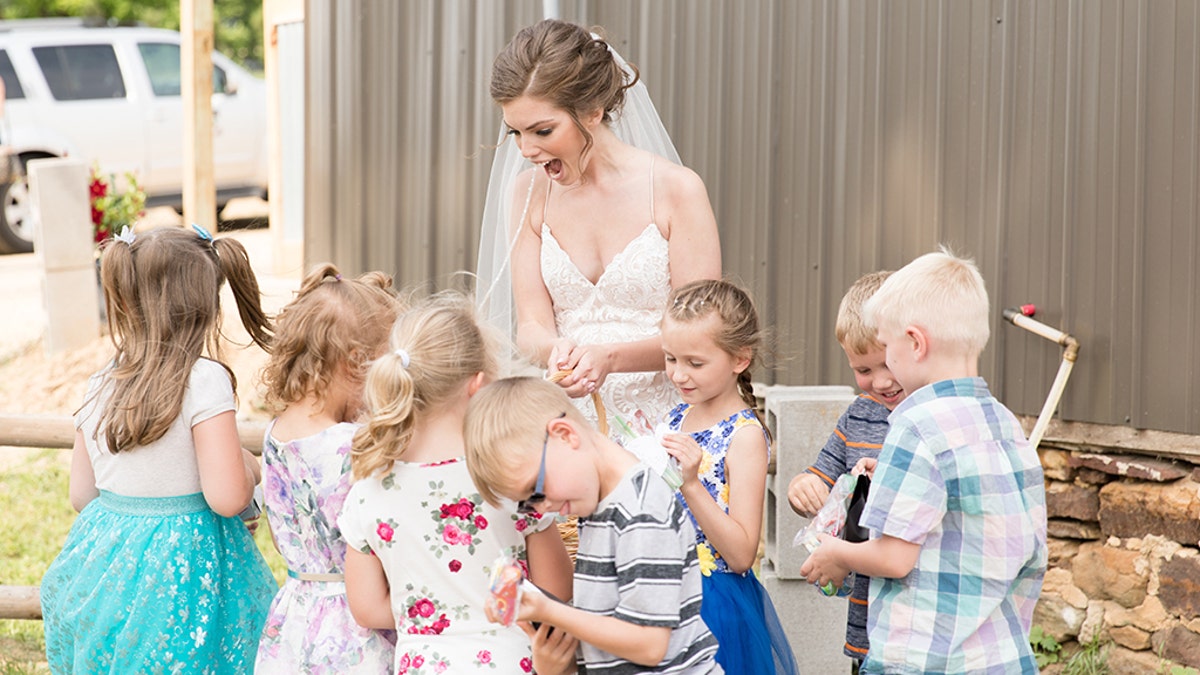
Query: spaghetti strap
[546, 201]
[652, 190]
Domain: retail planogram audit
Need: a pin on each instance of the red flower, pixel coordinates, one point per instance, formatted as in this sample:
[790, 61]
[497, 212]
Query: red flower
[418, 661]
[521, 524]
[484, 656]
[424, 607]
[384, 531]
[526, 665]
[412, 612]
[481, 522]
[455, 566]
[445, 509]
[464, 509]
[98, 188]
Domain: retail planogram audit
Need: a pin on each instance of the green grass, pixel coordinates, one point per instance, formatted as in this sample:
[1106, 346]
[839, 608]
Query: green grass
[37, 516]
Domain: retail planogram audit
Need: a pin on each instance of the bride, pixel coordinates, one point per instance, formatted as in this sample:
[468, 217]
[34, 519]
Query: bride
[596, 233]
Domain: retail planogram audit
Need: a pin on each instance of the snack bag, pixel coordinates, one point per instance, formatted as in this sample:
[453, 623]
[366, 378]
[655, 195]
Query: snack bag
[831, 519]
[649, 449]
[505, 596]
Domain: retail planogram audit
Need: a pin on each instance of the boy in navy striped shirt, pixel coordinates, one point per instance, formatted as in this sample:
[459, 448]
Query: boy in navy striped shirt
[859, 433]
[637, 583]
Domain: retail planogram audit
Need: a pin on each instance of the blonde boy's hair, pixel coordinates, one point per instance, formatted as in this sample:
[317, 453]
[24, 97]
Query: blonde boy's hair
[853, 332]
[435, 349]
[505, 426]
[942, 293]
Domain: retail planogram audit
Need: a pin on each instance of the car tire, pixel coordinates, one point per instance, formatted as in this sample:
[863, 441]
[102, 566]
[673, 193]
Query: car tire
[16, 217]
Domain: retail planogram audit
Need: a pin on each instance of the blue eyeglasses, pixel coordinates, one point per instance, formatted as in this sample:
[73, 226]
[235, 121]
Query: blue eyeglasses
[538, 496]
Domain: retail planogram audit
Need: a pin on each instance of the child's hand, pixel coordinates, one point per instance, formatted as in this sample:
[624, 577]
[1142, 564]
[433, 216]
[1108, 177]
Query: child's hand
[807, 494]
[529, 608]
[553, 649]
[822, 567]
[687, 452]
[865, 465]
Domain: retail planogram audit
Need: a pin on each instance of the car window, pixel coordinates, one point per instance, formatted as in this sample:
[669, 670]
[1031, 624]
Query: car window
[12, 86]
[164, 69]
[81, 72]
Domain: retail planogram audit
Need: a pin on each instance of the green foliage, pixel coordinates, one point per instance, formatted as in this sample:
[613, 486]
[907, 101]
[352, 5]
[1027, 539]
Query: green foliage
[237, 24]
[1091, 659]
[1045, 648]
[1182, 670]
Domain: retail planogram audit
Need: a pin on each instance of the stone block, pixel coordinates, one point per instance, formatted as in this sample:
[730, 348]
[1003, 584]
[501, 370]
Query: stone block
[59, 195]
[1130, 637]
[1067, 500]
[1135, 509]
[1065, 528]
[1057, 617]
[1122, 661]
[815, 625]
[72, 305]
[1111, 574]
[801, 420]
[1056, 464]
[1086, 476]
[1179, 586]
[1132, 466]
[1060, 583]
[1061, 551]
[1179, 645]
[1149, 616]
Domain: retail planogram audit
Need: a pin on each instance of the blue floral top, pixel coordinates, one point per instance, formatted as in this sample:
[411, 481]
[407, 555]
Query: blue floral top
[715, 443]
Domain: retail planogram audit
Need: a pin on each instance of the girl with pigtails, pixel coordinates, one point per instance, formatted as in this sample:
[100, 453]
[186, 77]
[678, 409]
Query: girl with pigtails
[158, 574]
[421, 540]
[324, 340]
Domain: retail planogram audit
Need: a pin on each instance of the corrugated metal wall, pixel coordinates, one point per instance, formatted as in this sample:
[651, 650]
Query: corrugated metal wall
[1054, 141]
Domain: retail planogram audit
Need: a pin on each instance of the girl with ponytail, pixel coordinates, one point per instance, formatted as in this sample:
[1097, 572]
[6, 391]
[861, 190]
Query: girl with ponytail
[421, 540]
[711, 336]
[158, 573]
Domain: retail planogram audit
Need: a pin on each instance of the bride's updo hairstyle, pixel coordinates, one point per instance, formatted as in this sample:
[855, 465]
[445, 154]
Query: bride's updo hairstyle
[566, 66]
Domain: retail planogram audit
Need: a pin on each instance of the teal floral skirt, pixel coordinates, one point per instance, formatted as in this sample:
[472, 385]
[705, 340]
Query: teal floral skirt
[155, 585]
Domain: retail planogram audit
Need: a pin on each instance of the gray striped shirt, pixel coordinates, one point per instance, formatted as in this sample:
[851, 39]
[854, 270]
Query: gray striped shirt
[637, 562]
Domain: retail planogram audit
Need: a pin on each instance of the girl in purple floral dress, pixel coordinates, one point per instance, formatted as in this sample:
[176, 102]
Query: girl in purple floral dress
[422, 540]
[323, 340]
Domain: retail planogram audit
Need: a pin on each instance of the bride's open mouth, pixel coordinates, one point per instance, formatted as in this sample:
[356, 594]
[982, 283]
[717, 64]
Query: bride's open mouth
[554, 169]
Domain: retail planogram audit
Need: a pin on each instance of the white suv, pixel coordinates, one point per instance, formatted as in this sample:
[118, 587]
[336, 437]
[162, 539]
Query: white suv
[112, 96]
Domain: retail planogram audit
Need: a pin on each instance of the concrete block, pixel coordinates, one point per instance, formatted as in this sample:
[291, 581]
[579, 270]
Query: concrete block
[59, 193]
[815, 625]
[73, 308]
[801, 420]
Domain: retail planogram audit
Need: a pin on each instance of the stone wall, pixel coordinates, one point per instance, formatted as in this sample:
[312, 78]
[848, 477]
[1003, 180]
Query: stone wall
[1124, 557]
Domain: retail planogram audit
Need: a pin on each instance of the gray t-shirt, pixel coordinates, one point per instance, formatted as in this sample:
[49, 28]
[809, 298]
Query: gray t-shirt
[637, 562]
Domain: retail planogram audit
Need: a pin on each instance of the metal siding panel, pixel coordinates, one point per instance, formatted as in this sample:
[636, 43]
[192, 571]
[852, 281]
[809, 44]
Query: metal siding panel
[319, 66]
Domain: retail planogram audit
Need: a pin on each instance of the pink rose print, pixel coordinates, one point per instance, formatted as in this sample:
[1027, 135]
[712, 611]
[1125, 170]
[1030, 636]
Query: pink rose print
[464, 537]
[418, 661]
[526, 665]
[452, 535]
[484, 656]
[424, 607]
[385, 531]
[444, 509]
[521, 524]
[464, 509]
[455, 566]
[481, 522]
[403, 665]
[441, 666]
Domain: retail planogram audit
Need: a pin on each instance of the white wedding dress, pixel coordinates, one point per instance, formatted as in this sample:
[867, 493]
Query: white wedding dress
[625, 304]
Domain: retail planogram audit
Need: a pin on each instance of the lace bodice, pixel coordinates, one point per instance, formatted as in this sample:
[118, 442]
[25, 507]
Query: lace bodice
[626, 303]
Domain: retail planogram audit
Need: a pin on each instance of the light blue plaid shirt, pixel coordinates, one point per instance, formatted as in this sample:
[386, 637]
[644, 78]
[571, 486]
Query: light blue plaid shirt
[957, 476]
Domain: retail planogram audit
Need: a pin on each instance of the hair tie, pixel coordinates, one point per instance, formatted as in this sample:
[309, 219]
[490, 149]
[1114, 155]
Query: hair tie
[203, 233]
[126, 235]
[337, 277]
[404, 359]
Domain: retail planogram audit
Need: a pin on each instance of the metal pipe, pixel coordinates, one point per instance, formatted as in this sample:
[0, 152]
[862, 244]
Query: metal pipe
[1022, 317]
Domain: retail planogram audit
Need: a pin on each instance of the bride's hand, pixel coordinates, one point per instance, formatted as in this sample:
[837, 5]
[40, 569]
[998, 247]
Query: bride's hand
[591, 366]
[560, 355]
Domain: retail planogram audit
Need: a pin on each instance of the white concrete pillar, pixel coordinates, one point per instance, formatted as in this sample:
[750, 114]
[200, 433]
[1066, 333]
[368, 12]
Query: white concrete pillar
[64, 243]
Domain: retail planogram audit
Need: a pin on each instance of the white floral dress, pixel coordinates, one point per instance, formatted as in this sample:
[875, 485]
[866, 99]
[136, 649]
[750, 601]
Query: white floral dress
[310, 629]
[437, 541]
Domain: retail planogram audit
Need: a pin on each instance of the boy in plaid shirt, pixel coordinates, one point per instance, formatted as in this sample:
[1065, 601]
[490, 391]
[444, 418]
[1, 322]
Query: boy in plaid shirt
[957, 509]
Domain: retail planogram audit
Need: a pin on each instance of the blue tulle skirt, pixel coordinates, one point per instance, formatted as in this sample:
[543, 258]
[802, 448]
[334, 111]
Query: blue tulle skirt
[740, 614]
[150, 585]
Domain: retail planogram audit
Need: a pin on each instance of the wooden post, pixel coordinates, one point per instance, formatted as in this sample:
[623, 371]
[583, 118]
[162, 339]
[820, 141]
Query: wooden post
[58, 431]
[199, 188]
[20, 602]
